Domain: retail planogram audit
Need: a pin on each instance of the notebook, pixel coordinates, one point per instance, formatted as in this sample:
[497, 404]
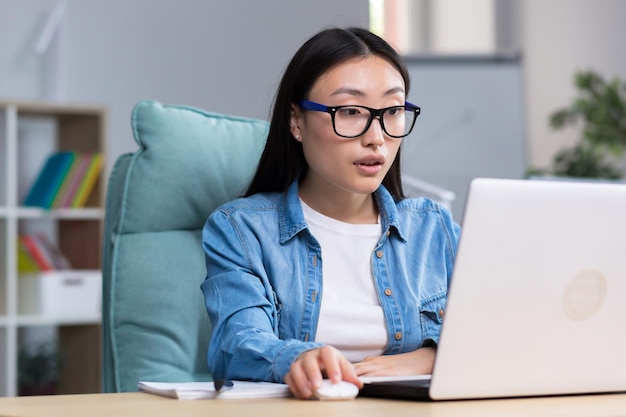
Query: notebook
[206, 390]
[537, 303]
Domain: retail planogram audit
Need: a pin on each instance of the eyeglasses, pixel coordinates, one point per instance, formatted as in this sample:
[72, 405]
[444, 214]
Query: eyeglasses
[353, 121]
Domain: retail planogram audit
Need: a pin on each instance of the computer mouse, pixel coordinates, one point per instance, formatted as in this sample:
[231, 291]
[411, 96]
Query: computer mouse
[341, 390]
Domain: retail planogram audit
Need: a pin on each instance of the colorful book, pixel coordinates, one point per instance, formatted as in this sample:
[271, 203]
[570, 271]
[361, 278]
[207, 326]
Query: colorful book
[25, 262]
[39, 255]
[65, 185]
[84, 160]
[49, 180]
[65, 168]
[52, 252]
[89, 181]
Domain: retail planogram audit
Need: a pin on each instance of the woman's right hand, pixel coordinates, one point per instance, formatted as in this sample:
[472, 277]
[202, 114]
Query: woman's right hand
[308, 370]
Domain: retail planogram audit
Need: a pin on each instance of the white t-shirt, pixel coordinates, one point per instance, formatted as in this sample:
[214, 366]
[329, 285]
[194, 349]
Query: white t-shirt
[351, 318]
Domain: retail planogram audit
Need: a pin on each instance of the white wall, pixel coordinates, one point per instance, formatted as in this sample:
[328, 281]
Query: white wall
[227, 56]
[221, 55]
[559, 38]
[461, 26]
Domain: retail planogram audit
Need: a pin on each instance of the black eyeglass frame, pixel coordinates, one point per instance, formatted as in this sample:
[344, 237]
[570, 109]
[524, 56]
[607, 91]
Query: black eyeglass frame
[374, 113]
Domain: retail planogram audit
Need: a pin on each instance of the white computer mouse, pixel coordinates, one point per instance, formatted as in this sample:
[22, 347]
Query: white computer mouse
[341, 390]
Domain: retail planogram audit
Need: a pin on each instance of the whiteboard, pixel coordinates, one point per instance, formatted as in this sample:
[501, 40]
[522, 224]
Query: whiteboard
[472, 121]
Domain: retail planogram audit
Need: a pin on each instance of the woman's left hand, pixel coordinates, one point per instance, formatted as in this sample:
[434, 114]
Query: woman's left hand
[418, 362]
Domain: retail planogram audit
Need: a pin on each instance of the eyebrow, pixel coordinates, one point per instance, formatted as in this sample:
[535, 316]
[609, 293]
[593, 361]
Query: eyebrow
[359, 93]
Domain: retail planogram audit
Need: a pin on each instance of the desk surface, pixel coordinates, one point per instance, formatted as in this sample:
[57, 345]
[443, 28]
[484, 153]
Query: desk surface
[140, 404]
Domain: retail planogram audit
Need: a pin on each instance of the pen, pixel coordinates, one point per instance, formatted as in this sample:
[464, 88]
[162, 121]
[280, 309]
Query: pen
[222, 383]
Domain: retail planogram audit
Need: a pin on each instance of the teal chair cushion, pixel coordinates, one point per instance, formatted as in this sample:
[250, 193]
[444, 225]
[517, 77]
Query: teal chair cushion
[189, 161]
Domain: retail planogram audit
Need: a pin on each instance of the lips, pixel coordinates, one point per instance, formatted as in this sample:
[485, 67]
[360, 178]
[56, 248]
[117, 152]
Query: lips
[372, 160]
[370, 166]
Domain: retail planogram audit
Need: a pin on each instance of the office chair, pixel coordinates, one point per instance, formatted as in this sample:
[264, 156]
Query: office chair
[154, 322]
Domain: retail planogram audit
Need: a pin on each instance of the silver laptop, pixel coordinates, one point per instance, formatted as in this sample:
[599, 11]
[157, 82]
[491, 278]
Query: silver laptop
[537, 304]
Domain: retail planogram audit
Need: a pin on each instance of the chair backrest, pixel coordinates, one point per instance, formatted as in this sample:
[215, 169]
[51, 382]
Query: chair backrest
[189, 161]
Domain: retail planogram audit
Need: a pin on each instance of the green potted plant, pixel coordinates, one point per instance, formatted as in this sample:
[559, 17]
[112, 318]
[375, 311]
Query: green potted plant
[600, 108]
[38, 370]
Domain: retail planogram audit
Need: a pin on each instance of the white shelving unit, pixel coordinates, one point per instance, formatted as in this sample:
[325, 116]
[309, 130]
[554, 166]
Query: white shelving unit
[29, 132]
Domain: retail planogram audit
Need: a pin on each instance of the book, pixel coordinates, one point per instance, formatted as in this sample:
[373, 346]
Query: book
[47, 184]
[74, 181]
[206, 390]
[42, 254]
[37, 253]
[52, 252]
[71, 175]
[88, 181]
[25, 262]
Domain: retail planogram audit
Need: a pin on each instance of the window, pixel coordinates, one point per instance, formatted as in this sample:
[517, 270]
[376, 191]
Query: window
[436, 26]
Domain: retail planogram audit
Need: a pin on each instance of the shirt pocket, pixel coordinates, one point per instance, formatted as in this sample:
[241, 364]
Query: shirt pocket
[432, 311]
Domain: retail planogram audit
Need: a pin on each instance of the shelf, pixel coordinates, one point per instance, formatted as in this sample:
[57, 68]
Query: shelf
[53, 214]
[26, 321]
[37, 320]
[41, 108]
[58, 214]
[30, 131]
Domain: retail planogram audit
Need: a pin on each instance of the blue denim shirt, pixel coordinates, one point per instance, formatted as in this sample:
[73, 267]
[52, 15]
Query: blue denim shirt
[264, 285]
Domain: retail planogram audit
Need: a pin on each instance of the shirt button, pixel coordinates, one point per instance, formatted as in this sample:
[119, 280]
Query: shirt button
[379, 254]
[398, 335]
[388, 233]
[441, 312]
[387, 291]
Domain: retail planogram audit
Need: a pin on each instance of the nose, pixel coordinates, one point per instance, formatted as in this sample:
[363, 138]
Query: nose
[374, 135]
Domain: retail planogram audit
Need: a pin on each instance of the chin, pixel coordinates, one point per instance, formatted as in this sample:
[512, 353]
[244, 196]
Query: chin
[366, 187]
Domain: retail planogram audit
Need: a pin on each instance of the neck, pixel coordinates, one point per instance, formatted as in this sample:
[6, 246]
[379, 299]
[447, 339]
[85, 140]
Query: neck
[343, 206]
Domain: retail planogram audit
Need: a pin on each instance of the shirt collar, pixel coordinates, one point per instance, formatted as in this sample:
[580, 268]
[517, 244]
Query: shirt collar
[292, 218]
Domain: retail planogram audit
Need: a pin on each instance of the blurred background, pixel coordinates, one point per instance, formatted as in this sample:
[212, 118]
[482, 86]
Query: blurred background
[227, 57]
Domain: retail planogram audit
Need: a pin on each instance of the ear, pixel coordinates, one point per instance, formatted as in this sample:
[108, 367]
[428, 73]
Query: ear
[295, 121]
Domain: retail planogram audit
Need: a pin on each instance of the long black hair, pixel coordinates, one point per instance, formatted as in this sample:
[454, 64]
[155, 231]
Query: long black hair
[283, 160]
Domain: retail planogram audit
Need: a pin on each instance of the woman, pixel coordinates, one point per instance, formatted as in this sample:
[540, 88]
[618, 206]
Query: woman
[324, 269]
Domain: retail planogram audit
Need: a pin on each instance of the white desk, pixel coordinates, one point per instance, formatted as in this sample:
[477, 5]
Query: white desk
[140, 404]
